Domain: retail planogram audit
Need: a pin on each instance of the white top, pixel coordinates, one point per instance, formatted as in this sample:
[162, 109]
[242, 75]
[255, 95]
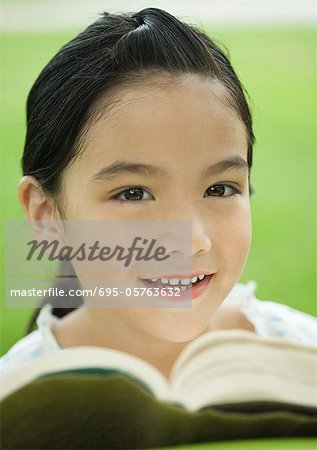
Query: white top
[268, 318]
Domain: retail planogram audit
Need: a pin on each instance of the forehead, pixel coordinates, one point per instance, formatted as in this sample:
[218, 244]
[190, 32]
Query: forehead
[183, 117]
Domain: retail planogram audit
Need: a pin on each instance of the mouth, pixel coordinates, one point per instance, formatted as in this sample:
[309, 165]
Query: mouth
[180, 287]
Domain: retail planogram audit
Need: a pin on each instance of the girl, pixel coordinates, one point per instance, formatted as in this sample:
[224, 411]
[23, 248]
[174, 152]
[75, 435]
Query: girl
[157, 98]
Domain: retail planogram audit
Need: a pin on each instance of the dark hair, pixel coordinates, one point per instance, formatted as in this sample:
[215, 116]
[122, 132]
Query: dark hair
[116, 49]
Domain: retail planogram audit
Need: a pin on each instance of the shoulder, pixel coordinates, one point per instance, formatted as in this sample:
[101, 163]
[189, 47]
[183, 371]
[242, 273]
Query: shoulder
[25, 350]
[230, 315]
[34, 345]
[270, 318]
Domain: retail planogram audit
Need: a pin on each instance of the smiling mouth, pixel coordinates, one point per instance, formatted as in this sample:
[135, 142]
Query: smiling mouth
[183, 284]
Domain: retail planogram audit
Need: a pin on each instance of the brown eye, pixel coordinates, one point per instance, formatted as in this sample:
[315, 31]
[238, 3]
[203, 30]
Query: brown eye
[221, 190]
[131, 195]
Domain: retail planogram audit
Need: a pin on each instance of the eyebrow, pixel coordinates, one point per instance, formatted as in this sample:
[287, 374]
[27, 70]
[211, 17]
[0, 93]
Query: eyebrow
[119, 168]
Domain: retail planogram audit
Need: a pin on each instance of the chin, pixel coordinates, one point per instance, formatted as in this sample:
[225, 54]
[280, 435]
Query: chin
[182, 332]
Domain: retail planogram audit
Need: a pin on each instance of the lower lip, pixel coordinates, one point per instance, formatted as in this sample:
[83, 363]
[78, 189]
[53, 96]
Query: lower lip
[190, 294]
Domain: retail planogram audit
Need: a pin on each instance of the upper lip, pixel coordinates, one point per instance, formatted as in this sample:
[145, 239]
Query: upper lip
[194, 274]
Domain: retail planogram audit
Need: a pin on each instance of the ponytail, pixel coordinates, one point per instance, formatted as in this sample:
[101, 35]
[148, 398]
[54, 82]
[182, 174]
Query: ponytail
[62, 282]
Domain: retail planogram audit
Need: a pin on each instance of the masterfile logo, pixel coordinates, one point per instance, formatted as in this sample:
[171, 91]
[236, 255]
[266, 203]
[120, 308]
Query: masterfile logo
[84, 252]
[105, 261]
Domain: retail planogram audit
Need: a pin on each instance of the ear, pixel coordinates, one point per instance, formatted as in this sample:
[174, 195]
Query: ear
[35, 203]
[38, 209]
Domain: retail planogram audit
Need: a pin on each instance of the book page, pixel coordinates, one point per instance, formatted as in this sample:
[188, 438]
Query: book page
[237, 365]
[81, 358]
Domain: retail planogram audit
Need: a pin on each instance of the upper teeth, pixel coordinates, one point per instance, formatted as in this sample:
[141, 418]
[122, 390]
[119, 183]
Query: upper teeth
[182, 281]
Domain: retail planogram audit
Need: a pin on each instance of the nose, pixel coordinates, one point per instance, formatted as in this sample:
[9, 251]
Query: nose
[188, 237]
[201, 240]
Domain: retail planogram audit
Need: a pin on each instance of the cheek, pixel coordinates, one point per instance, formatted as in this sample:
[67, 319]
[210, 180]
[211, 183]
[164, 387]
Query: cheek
[233, 237]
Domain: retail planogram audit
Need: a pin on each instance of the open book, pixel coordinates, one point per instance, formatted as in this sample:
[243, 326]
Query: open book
[236, 368]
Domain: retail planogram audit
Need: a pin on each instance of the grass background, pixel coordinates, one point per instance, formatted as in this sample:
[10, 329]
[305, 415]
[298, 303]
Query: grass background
[277, 65]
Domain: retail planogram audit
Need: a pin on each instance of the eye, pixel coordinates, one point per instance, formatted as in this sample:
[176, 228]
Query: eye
[222, 190]
[132, 194]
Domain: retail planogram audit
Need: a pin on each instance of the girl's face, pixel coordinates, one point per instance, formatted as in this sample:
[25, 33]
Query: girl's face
[182, 128]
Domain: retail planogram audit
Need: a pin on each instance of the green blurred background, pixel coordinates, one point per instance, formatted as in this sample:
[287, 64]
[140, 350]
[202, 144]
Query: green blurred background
[277, 66]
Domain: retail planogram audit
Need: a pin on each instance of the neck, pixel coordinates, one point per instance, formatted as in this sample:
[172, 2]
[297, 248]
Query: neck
[105, 328]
